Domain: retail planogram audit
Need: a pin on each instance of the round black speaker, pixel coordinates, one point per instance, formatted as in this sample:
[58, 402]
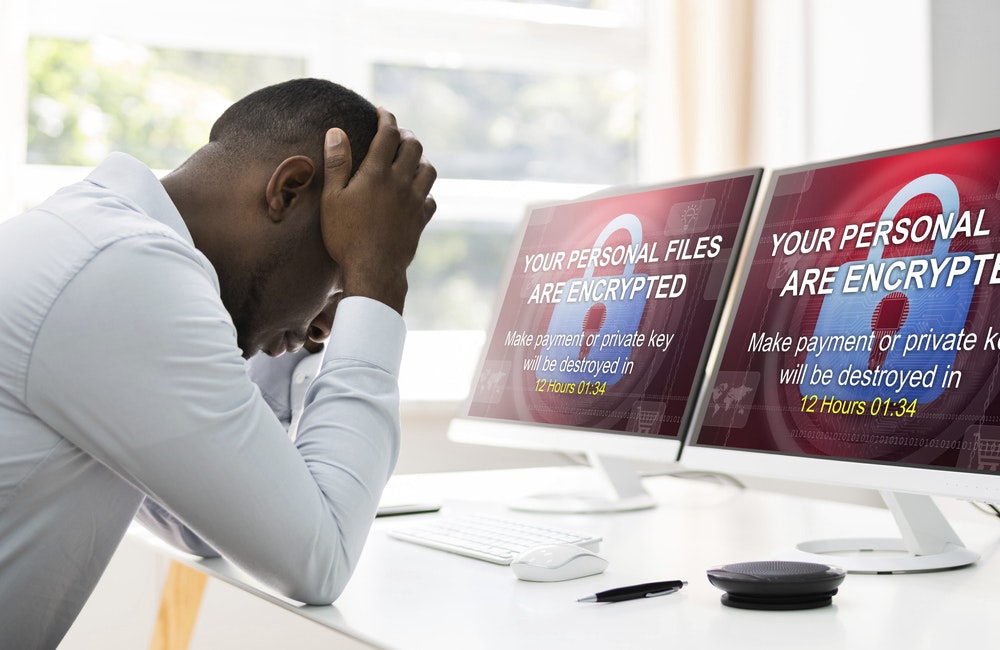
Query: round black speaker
[777, 585]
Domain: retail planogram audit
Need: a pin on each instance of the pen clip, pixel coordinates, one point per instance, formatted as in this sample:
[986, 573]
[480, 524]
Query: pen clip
[654, 594]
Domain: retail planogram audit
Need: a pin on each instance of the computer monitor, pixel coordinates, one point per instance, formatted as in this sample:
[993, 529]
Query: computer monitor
[859, 344]
[601, 335]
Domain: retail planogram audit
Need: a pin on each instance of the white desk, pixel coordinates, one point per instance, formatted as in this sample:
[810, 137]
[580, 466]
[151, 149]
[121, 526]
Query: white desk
[407, 596]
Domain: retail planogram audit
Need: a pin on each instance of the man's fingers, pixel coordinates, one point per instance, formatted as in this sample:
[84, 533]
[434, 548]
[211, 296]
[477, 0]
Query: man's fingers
[409, 153]
[424, 178]
[386, 141]
[337, 159]
[430, 207]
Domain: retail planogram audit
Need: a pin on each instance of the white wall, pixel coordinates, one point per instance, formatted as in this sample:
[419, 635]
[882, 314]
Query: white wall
[966, 86]
[836, 78]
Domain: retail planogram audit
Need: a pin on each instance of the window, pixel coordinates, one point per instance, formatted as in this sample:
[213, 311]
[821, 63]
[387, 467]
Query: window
[512, 125]
[89, 98]
[515, 101]
[491, 125]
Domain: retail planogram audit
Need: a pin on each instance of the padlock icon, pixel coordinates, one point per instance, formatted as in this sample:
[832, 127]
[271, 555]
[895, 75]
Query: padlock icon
[893, 315]
[577, 349]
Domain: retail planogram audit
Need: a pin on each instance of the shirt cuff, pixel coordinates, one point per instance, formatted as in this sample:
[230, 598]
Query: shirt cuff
[369, 331]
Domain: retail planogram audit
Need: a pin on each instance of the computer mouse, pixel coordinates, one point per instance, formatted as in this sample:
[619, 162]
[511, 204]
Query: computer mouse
[555, 562]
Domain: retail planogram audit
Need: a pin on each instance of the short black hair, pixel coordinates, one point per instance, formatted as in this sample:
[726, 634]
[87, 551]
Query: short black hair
[292, 117]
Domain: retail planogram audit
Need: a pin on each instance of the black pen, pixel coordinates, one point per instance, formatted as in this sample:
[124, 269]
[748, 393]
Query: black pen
[633, 592]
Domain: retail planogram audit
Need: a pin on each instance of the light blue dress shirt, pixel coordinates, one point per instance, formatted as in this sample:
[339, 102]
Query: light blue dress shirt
[120, 377]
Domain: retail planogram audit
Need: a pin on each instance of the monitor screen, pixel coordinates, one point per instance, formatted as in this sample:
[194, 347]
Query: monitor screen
[864, 327]
[602, 332]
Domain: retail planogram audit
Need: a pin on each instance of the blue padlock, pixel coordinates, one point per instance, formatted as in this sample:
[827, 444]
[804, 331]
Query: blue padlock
[570, 359]
[918, 311]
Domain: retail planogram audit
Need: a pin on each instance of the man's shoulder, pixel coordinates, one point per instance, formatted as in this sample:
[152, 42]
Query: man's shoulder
[62, 236]
[98, 214]
[45, 249]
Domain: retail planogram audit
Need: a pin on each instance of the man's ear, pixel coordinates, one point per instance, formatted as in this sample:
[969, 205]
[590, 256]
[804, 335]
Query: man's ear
[287, 186]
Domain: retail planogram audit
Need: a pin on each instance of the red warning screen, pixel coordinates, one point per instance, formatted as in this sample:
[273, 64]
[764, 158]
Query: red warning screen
[869, 324]
[610, 304]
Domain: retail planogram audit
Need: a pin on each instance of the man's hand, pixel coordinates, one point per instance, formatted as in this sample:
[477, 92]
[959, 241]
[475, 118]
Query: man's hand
[371, 222]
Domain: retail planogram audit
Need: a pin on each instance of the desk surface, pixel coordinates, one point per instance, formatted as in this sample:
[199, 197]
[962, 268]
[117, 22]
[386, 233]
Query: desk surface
[403, 595]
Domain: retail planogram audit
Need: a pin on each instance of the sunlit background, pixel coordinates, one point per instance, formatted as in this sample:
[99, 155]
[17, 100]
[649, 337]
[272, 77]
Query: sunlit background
[515, 101]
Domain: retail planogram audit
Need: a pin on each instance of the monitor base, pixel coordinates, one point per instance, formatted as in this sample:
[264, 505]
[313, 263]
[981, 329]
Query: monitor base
[880, 555]
[624, 492]
[928, 542]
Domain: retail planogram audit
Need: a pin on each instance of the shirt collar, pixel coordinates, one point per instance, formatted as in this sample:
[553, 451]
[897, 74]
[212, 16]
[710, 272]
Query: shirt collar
[127, 176]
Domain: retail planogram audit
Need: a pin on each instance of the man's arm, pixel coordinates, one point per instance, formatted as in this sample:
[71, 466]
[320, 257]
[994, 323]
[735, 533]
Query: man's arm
[172, 530]
[274, 377]
[153, 386]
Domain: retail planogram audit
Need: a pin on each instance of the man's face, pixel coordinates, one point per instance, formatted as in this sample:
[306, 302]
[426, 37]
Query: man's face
[290, 297]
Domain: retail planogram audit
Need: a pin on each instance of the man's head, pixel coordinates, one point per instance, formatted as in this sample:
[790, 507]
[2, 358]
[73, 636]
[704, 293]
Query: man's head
[291, 118]
[251, 198]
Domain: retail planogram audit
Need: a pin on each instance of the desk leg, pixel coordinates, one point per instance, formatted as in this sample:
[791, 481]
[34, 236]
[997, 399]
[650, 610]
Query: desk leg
[179, 605]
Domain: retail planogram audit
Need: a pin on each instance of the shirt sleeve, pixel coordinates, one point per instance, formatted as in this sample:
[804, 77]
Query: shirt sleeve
[274, 377]
[172, 530]
[141, 371]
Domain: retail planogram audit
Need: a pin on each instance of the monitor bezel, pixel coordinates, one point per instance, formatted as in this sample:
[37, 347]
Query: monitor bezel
[959, 483]
[472, 429]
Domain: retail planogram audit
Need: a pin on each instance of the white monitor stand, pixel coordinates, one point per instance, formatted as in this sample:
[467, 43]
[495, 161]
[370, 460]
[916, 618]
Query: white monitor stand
[622, 491]
[616, 484]
[928, 542]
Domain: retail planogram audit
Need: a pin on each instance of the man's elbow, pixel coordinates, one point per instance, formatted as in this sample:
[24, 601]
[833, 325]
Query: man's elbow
[316, 592]
[318, 585]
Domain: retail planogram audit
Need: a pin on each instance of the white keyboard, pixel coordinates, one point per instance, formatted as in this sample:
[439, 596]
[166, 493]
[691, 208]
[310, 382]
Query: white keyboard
[494, 539]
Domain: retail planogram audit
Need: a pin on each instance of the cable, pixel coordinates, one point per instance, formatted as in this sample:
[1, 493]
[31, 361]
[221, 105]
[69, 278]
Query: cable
[986, 508]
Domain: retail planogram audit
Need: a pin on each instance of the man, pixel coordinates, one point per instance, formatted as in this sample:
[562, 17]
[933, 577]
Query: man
[128, 306]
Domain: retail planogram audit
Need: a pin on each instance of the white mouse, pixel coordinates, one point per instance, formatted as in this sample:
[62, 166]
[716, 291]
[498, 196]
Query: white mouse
[555, 562]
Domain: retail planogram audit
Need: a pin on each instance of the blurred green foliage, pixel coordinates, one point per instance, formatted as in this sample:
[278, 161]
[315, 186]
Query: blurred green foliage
[87, 99]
